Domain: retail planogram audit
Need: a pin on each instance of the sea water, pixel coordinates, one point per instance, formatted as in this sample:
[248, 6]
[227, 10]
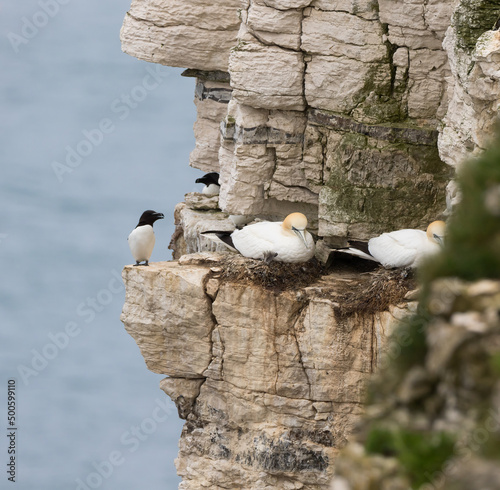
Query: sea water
[88, 412]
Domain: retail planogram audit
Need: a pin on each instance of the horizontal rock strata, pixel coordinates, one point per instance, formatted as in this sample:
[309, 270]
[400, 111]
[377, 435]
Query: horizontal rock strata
[286, 92]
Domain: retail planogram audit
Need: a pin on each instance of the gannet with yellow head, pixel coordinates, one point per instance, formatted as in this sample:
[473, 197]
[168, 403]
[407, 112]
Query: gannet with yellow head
[401, 248]
[286, 241]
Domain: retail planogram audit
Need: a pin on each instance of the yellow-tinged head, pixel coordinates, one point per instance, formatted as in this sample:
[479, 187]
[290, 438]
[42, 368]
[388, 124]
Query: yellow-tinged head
[436, 231]
[297, 223]
[295, 220]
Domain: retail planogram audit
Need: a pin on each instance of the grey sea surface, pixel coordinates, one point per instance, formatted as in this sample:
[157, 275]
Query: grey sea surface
[89, 138]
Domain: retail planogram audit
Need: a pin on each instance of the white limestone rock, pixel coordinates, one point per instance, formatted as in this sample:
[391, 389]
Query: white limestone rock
[474, 100]
[289, 181]
[245, 169]
[416, 24]
[183, 392]
[404, 13]
[190, 223]
[282, 377]
[427, 83]
[201, 202]
[338, 83]
[206, 129]
[182, 317]
[288, 4]
[365, 9]
[343, 34]
[192, 34]
[266, 77]
[258, 157]
[272, 26]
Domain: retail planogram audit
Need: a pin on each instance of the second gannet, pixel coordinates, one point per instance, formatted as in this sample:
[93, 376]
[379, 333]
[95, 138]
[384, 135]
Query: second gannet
[401, 248]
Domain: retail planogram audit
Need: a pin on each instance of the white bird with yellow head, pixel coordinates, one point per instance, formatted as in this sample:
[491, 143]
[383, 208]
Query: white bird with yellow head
[286, 241]
[401, 248]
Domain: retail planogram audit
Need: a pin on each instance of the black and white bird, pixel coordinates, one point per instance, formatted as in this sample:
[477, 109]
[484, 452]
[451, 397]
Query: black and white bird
[286, 241]
[401, 248]
[142, 239]
[240, 220]
[211, 181]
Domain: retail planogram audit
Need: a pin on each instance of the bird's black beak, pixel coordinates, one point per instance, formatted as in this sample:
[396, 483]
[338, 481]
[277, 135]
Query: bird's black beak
[199, 181]
[158, 216]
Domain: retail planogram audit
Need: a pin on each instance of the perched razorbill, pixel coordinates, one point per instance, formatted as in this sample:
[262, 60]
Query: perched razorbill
[402, 248]
[211, 181]
[142, 239]
[286, 241]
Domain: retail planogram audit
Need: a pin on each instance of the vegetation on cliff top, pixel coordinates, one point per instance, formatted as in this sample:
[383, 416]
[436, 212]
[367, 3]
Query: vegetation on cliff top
[472, 248]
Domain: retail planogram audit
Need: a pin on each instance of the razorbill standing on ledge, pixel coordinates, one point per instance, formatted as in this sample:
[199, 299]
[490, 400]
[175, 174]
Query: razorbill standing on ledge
[142, 239]
[401, 248]
[211, 181]
[286, 241]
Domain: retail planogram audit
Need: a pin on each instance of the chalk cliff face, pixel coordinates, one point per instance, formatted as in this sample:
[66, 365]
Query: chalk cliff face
[331, 107]
[473, 50]
[270, 382]
[356, 113]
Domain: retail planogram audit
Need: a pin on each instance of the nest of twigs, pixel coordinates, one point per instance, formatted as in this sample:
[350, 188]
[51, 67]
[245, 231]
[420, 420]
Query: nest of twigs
[381, 289]
[275, 276]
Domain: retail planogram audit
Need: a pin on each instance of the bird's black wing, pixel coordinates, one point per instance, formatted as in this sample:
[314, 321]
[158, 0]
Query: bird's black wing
[363, 246]
[224, 236]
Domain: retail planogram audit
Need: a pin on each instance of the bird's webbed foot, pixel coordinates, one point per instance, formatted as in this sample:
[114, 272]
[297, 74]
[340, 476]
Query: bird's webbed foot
[269, 256]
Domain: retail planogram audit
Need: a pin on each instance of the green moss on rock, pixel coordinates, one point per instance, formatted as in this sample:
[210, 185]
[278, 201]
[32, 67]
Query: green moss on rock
[378, 101]
[472, 246]
[472, 18]
[389, 185]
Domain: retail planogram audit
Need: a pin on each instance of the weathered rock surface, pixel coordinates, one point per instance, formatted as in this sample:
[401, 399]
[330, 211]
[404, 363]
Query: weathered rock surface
[198, 214]
[474, 90]
[211, 99]
[270, 383]
[191, 34]
[308, 80]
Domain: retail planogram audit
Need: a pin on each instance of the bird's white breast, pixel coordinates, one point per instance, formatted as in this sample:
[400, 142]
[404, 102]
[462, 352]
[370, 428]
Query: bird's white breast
[211, 190]
[141, 242]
